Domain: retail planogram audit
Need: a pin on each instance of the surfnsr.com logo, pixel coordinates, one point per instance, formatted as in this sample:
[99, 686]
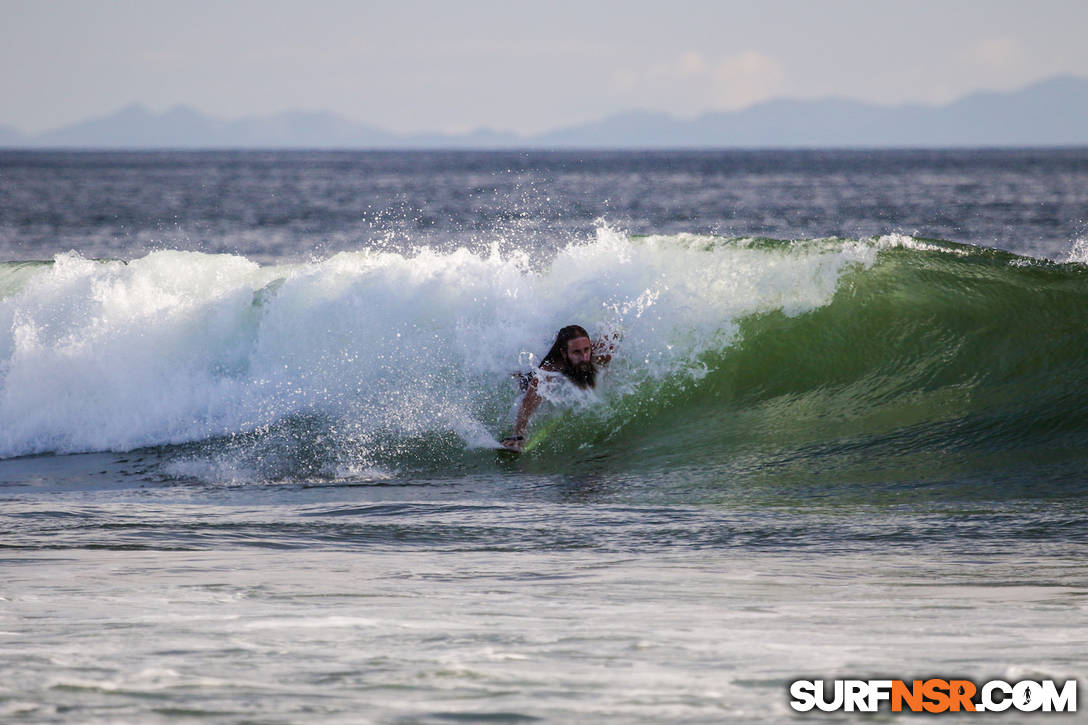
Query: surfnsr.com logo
[933, 695]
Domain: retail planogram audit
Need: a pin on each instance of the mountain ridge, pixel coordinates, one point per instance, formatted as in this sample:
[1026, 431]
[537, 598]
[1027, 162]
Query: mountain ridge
[1045, 113]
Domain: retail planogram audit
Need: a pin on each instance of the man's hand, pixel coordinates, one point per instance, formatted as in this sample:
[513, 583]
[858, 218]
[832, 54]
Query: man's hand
[604, 347]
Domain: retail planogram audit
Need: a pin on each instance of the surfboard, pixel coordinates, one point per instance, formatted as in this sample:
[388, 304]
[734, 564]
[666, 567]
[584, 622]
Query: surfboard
[500, 448]
[534, 439]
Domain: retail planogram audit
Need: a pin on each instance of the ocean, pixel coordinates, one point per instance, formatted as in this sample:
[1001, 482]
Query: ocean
[250, 404]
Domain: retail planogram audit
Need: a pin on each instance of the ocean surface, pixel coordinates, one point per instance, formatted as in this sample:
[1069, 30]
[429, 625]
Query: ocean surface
[249, 405]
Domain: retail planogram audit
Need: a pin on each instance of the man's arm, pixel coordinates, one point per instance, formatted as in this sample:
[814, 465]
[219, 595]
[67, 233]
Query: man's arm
[529, 403]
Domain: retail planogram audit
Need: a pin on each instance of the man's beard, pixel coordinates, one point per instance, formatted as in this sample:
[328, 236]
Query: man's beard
[584, 375]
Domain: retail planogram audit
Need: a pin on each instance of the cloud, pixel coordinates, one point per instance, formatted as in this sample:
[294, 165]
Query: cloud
[690, 82]
[746, 79]
[998, 53]
[686, 65]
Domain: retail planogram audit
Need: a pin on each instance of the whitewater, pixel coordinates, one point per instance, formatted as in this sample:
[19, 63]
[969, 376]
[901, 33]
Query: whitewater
[183, 346]
[250, 405]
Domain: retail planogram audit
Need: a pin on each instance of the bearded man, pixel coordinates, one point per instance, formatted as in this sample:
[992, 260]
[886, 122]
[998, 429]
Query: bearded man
[576, 358]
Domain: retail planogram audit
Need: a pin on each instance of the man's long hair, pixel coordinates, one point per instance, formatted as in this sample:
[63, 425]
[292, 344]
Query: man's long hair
[583, 378]
[555, 355]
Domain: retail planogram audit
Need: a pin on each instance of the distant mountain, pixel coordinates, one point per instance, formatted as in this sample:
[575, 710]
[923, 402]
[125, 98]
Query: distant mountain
[1048, 113]
[181, 127]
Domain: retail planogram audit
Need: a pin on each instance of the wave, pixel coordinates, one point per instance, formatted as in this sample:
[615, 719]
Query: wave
[888, 357]
[934, 363]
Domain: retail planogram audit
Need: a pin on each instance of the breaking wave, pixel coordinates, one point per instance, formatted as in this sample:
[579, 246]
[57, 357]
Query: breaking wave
[762, 357]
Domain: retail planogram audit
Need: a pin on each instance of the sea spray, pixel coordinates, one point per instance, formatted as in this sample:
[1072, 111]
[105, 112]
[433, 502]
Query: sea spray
[178, 347]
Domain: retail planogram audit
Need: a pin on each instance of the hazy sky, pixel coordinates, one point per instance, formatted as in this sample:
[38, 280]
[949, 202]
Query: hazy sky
[520, 66]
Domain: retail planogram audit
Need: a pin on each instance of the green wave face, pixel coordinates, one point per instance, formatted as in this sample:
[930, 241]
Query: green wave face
[891, 369]
[937, 363]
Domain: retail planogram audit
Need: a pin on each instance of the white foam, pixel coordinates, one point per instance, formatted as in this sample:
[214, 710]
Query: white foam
[1078, 252]
[903, 241]
[182, 346]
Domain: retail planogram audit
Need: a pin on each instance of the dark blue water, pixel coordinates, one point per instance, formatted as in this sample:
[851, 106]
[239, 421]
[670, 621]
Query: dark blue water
[272, 206]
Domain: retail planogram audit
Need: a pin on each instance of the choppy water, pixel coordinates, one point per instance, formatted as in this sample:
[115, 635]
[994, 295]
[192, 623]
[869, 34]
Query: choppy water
[248, 404]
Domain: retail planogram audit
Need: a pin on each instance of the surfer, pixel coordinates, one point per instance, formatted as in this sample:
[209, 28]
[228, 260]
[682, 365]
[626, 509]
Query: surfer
[574, 356]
